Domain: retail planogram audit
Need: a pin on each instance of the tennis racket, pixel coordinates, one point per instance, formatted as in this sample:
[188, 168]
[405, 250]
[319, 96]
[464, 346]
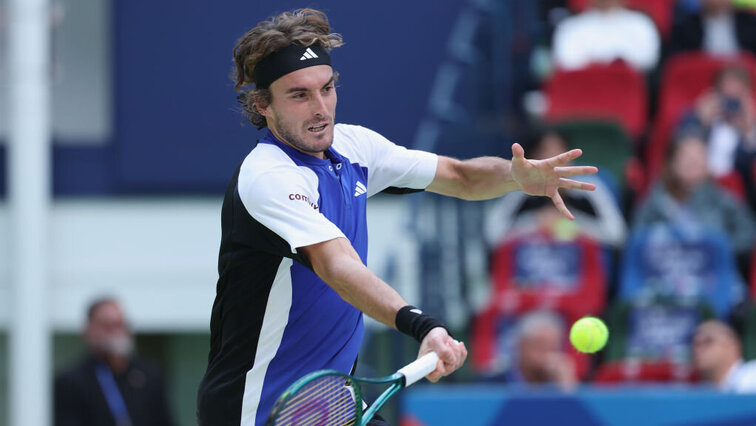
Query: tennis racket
[332, 398]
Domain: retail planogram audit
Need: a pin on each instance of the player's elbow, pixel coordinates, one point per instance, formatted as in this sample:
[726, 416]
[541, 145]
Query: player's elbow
[333, 261]
[332, 271]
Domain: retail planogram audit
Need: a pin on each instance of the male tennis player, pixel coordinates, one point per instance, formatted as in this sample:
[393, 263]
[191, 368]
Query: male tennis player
[293, 282]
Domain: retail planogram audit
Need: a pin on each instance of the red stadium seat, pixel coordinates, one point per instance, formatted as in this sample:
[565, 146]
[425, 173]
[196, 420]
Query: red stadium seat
[573, 282]
[624, 371]
[733, 182]
[603, 91]
[685, 77]
[660, 11]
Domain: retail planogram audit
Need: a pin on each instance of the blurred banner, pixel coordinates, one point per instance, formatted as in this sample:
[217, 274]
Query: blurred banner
[626, 406]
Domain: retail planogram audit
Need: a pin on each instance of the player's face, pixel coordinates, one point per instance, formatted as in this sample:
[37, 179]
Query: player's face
[301, 113]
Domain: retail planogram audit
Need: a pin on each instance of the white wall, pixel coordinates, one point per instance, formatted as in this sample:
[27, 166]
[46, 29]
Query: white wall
[159, 257]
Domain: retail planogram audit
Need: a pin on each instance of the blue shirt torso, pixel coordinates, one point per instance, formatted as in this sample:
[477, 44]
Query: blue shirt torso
[323, 331]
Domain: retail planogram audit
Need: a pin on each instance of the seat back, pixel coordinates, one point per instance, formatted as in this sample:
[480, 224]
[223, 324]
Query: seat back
[613, 92]
[624, 371]
[654, 333]
[604, 143]
[673, 264]
[541, 271]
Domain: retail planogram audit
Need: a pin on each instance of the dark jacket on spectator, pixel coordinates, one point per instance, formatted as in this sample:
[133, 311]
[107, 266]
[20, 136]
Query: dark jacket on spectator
[688, 34]
[80, 400]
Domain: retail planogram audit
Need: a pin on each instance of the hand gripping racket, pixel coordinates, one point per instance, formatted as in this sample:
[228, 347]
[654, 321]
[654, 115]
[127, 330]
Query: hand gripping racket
[332, 398]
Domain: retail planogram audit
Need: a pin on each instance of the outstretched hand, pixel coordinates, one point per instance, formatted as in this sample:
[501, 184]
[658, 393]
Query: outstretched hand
[545, 177]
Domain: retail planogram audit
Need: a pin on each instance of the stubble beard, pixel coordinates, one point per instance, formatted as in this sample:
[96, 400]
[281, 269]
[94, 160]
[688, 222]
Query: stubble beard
[287, 135]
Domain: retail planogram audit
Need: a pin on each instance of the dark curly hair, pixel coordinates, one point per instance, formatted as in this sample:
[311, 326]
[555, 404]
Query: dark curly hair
[301, 26]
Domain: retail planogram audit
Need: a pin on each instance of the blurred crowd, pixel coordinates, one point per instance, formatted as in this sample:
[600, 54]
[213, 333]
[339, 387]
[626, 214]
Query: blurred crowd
[660, 95]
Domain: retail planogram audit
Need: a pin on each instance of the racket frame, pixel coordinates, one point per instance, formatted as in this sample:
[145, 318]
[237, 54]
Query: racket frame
[396, 380]
[399, 380]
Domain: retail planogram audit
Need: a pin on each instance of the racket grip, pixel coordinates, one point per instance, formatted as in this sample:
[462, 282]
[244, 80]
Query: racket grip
[420, 368]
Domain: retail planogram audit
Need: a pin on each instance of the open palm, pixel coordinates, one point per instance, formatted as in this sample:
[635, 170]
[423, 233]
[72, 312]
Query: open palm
[545, 177]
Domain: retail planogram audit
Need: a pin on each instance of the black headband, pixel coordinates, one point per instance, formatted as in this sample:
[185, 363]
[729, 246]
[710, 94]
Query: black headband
[286, 60]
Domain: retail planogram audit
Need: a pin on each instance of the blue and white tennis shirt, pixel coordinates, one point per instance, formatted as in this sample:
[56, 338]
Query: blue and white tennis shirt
[273, 319]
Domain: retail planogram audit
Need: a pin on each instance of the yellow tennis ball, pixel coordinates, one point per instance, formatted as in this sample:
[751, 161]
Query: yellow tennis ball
[589, 334]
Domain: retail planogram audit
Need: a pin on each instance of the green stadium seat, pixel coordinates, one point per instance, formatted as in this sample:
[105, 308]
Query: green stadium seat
[604, 143]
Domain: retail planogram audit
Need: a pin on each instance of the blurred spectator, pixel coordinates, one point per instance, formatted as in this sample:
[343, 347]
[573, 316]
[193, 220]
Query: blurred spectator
[727, 116]
[718, 29]
[717, 357]
[597, 213]
[687, 196]
[540, 352]
[605, 32]
[109, 386]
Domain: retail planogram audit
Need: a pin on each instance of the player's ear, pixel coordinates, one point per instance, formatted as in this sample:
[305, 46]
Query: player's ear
[260, 110]
[261, 103]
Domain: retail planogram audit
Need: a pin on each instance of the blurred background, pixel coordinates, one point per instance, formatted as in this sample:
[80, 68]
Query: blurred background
[119, 130]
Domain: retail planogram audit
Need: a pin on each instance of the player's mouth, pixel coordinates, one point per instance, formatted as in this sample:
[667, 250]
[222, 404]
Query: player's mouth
[318, 129]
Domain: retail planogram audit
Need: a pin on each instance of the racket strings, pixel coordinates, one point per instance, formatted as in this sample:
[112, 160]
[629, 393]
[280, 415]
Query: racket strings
[325, 401]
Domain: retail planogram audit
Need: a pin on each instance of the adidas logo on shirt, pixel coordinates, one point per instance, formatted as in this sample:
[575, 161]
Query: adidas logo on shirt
[359, 189]
[309, 54]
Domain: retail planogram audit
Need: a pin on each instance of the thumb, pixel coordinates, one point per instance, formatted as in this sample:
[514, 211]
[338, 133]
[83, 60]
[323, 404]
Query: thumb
[517, 151]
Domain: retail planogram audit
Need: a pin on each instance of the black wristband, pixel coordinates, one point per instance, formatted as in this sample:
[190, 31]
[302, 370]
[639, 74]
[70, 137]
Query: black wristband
[413, 322]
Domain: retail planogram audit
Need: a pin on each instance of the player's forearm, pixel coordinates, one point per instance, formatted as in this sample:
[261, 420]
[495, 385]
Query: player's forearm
[488, 177]
[361, 288]
[336, 263]
[479, 178]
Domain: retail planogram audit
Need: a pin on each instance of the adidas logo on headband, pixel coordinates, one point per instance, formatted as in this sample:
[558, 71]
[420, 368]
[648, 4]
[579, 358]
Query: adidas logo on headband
[309, 54]
[288, 59]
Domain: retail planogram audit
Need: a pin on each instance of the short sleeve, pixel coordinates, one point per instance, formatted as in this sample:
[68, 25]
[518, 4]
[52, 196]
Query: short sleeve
[286, 202]
[388, 164]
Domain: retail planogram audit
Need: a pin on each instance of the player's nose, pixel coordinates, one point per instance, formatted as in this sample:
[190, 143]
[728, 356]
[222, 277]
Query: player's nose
[319, 105]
